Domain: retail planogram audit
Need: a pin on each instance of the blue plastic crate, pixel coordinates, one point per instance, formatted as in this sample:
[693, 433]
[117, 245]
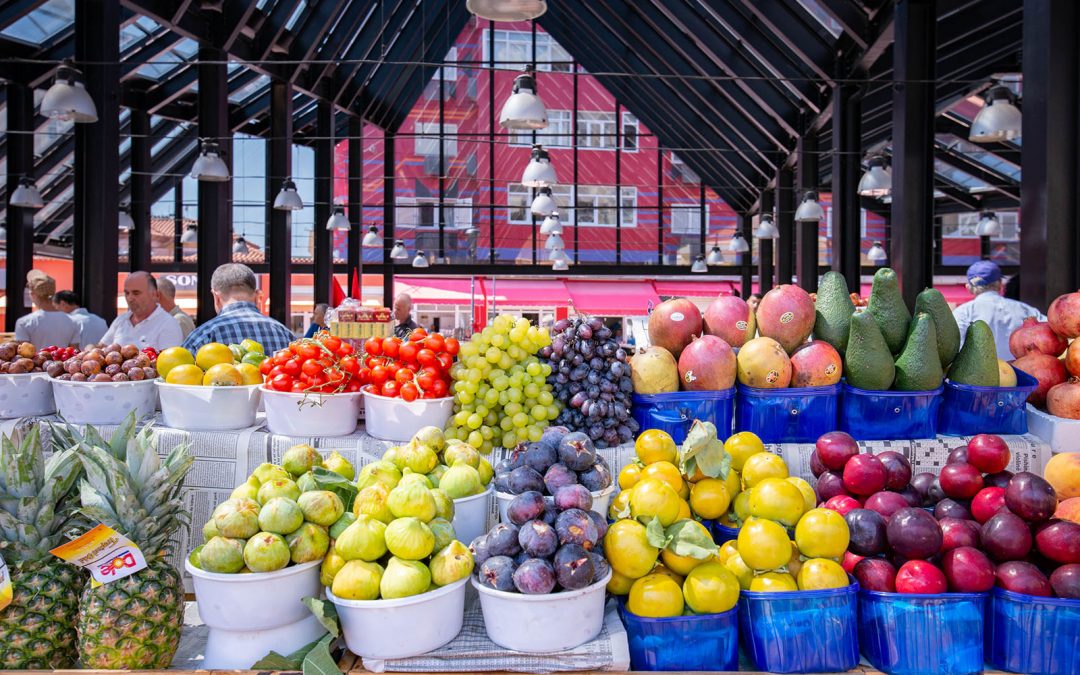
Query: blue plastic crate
[798, 415]
[722, 533]
[676, 412]
[967, 410]
[924, 634]
[698, 642]
[889, 415]
[1031, 634]
[801, 631]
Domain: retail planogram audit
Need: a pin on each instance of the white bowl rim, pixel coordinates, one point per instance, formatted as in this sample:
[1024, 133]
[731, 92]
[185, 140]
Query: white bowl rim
[162, 383]
[561, 595]
[103, 384]
[396, 602]
[399, 399]
[268, 390]
[488, 491]
[506, 496]
[252, 577]
[39, 373]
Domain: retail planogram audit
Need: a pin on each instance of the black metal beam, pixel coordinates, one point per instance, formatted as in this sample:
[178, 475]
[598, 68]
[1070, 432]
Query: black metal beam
[356, 200]
[846, 169]
[850, 16]
[324, 195]
[97, 157]
[346, 81]
[278, 167]
[331, 50]
[318, 20]
[911, 245]
[215, 208]
[20, 221]
[765, 248]
[999, 181]
[389, 216]
[785, 224]
[806, 238]
[746, 260]
[272, 31]
[139, 247]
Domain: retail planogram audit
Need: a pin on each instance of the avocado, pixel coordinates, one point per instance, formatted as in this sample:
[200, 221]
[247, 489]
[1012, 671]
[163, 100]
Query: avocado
[887, 307]
[868, 363]
[918, 367]
[832, 311]
[933, 303]
[976, 364]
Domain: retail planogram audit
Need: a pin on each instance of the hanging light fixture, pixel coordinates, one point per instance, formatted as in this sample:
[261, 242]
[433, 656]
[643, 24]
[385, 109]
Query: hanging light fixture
[554, 241]
[209, 166]
[240, 247]
[190, 235]
[26, 196]
[399, 252]
[337, 221]
[877, 254]
[699, 266]
[738, 244]
[988, 225]
[420, 260]
[471, 230]
[372, 238]
[766, 229]
[544, 204]
[715, 257]
[810, 209]
[288, 199]
[558, 254]
[877, 181]
[999, 120]
[67, 98]
[124, 220]
[507, 10]
[561, 265]
[539, 173]
[524, 109]
[551, 224]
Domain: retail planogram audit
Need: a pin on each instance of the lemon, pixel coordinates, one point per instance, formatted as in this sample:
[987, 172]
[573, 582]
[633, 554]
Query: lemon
[211, 354]
[223, 375]
[171, 358]
[763, 465]
[773, 582]
[709, 498]
[711, 588]
[741, 446]
[250, 373]
[655, 596]
[185, 373]
[251, 346]
[763, 545]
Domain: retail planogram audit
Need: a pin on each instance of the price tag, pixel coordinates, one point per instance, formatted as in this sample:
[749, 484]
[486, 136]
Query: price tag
[5, 585]
[106, 553]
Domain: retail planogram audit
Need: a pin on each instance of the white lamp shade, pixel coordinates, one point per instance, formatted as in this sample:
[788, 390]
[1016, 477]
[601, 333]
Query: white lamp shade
[507, 10]
[699, 266]
[554, 241]
[67, 98]
[371, 239]
[539, 172]
[471, 230]
[561, 265]
[877, 253]
[338, 221]
[420, 260]
[288, 199]
[738, 244]
[125, 221]
[190, 236]
[524, 109]
[715, 257]
[558, 254]
[240, 247]
[551, 224]
[766, 229]
[26, 196]
[999, 120]
[877, 181]
[399, 252]
[810, 209]
[209, 166]
[988, 226]
[544, 204]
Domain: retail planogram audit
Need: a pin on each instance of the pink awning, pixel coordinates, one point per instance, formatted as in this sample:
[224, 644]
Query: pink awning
[694, 289]
[612, 298]
[438, 290]
[547, 293]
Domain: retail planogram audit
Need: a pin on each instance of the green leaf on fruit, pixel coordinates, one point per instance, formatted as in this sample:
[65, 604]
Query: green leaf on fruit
[703, 450]
[319, 660]
[654, 533]
[336, 483]
[688, 538]
[326, 613]
[294, 661]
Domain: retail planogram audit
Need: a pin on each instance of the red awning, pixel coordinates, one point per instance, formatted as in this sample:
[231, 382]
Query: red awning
[694, 289]
[612, 298]
[546, 293]
[438, 291]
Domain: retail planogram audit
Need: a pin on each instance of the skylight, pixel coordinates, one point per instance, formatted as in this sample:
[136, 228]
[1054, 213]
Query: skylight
[38, 26]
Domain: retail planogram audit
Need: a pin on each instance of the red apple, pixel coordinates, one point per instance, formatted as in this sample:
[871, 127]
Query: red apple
[1023, 577]
[897, 469]
[850, 561]
[886, 503]
[956, 533]
[921, 577]
[968, 570]
[842, 504]
[835, 448]
[960, 481]
[987, 502]
[875, 574]
[864, 475]
[988, 453]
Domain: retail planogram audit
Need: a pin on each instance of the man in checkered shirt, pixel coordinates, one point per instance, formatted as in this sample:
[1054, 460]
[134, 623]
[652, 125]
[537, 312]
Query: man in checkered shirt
[233, 286]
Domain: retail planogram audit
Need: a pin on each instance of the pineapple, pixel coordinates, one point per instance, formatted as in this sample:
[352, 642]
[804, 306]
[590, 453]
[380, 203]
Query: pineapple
[37, 504]
[134, 622]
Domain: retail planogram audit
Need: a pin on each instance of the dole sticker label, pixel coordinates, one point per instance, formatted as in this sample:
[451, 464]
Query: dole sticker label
[830, 369]
[6, 591]
[107, 554]
[772, 376]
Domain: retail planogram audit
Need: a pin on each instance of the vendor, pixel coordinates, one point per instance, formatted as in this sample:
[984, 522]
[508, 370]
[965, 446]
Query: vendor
[1000, 313]
[318, 320]
[403, 316]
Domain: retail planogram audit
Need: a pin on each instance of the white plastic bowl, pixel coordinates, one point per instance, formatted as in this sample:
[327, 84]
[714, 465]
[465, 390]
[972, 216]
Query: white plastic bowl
[239, 650]
[289, 414]
[26, 395]
[250, 602]
[600, 502]
[398, 629]
[103, 402]
[394, 419]
[198, 408]
[543, 623]
[471, 515]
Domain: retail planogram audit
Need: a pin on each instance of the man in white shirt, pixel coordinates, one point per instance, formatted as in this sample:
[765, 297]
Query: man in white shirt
[91, 326]
[145, 324]
[46, 326]
[1000, 313]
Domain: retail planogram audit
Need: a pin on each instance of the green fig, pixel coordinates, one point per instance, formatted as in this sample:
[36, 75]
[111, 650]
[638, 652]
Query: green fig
[237, 518]
[461, 453]
[444, 532]
[451, 564]
[444, 506]
[280, 515]
[372, 501]
[358, 580]
[266, 552]
[461, 480]
[307, 483]
[222, 555]
[379, 472]
[412, 500]
[308, 543]
[299, 459]
[321, 507]
[339, 465]
[408, 478]
[346, 519]
[436, 475]
[404, 578]
[363, 540]
[432, 437]
[266, 472]
[331, 565]
[409, 539]
[278, 487]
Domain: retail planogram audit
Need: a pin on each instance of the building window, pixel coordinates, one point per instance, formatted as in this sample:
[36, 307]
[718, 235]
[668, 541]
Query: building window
[596, 130]
[595, 206]
[686, 219]
[448, 72]
[558, 134]
[519, 199]
[680, 172]
[966, 225]
[428, 146]
[629, 132]
[513, 49]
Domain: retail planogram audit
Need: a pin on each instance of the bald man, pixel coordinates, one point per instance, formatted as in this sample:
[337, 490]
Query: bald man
[145, 324]
[403, 314]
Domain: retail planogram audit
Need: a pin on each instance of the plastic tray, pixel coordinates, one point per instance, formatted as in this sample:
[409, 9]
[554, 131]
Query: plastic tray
[967, 410]
[1062, 435]
[662, 644]
[1030, 634]
[938, 633]
[306, 415]
[889, 415]
[801, 631]
[798, 415]
[676, 412]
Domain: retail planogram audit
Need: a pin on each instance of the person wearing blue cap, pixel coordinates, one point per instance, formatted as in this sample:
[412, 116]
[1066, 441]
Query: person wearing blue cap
[1000, 313]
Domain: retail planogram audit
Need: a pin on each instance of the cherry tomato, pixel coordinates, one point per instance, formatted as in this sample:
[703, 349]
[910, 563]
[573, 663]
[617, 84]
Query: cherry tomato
[350, 365]
[364, 376]
[291, 367]
[438, 388]
[417, 335]
[408, 351]
[404, 375]
[445, 361]
[299, 388]
[311, 368]
[390, 389]
[425, 380]
[308, 351]
[345, 349]
[452, 346]
[409, 392]
[379, 374]
[425, 357]
[390, 347]
[335, 377]
[435, 342]
[373, 346]
[353, 385]
[281, 382]
[331, 342]
[265, 367]
[370, 388]
[393, 367]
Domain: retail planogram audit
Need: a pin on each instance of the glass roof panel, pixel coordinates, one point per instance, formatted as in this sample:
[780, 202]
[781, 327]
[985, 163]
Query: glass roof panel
[137, 31]
[981, 155]
[38, 26]
[250, 89]
[957, 176]
[822, 17]
[296, 15]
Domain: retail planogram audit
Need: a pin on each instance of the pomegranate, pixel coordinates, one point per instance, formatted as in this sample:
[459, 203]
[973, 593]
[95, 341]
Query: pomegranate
[1063, 400]
[1036, 336]
[815, 364]
[673, 324]
[1064, 315]
[730, 318]
[1072, 358]
[786, 314]
[707, 364]
[1048, 370]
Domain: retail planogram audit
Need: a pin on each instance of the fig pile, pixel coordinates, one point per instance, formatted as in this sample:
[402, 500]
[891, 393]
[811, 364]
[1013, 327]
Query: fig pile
[112, 363]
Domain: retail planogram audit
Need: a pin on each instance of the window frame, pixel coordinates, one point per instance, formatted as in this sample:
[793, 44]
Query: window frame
[694, 211]
[629, 120]
[428, 132]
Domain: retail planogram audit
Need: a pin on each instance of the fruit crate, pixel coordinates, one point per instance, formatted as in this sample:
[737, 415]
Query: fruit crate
[675, 412]
[967, 410]
[795, 415]
[661, 644]
[889, 415]
[1032, 634]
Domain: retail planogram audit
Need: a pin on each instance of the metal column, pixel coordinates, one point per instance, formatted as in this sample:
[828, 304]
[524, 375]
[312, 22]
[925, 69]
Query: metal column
[746, 261]
[324, 197]
[806, 178]
[765, 248]
[846, 209]
[20, 222]
[278, 168]
[911, 247]
[215, 210]
[1050, 246]
[785, 223]
[139, 250]
[356, 201]
[97, 157]
[389, 206]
